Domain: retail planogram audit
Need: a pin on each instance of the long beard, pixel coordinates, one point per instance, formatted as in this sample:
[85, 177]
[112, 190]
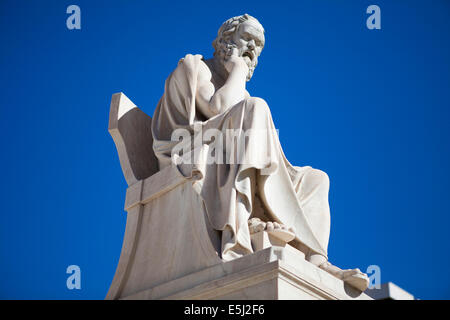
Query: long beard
[251, 69]
[251, 64]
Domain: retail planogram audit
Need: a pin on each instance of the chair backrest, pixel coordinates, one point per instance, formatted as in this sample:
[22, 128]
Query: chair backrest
[131, 130]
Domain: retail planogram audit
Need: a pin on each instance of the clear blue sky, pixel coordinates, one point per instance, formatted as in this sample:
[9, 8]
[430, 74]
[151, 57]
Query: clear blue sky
[369, 107]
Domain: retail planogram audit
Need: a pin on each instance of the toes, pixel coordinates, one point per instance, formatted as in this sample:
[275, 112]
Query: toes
[256, 225]
[358, 280]
[260, 227]
[349, 273]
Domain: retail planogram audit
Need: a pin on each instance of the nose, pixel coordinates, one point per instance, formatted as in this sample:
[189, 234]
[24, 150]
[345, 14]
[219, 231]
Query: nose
[251, 44]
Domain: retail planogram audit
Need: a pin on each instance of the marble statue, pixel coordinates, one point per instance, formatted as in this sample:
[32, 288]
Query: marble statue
[259, 190]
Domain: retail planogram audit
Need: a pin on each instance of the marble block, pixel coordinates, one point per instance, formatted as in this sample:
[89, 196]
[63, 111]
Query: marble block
[274, 273]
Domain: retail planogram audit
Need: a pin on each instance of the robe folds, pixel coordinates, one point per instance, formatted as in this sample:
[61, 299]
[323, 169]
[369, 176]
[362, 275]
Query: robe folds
[294, 196]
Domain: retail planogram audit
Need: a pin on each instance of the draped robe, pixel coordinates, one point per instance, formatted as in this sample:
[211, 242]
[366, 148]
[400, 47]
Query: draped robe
[294, 196]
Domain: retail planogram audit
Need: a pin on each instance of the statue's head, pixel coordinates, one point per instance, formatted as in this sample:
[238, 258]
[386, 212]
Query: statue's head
[244, 33]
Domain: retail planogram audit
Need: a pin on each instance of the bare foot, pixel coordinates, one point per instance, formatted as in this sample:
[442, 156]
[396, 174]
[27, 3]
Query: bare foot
[353, 277]
[275, 229]
[256, 225]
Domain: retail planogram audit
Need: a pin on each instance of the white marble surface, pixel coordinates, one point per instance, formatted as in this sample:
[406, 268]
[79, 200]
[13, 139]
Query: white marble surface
[274, 273]
[185, 217]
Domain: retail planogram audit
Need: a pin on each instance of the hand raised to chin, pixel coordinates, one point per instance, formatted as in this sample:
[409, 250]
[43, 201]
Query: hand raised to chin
[233, 60]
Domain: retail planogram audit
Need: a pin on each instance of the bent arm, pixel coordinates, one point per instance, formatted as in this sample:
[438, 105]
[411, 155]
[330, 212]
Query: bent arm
[212, 102]
[231, 93]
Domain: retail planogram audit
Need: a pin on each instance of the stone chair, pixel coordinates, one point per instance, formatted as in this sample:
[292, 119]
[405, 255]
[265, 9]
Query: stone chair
[169, 249]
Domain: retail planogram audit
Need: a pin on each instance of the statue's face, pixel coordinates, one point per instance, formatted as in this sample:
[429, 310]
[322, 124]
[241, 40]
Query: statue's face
[249, 39]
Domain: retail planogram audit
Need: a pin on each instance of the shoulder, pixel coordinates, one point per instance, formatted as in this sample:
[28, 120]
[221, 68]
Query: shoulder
[194, 64]
[190, 60]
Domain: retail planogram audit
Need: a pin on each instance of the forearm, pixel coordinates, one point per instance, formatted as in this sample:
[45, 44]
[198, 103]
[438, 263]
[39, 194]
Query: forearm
[231, 93]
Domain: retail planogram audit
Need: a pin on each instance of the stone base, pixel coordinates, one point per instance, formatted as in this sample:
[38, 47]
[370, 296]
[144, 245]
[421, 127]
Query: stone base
[274, 273]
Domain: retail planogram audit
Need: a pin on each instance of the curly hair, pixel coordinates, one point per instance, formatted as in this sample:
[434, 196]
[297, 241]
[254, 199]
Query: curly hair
[226, 31]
